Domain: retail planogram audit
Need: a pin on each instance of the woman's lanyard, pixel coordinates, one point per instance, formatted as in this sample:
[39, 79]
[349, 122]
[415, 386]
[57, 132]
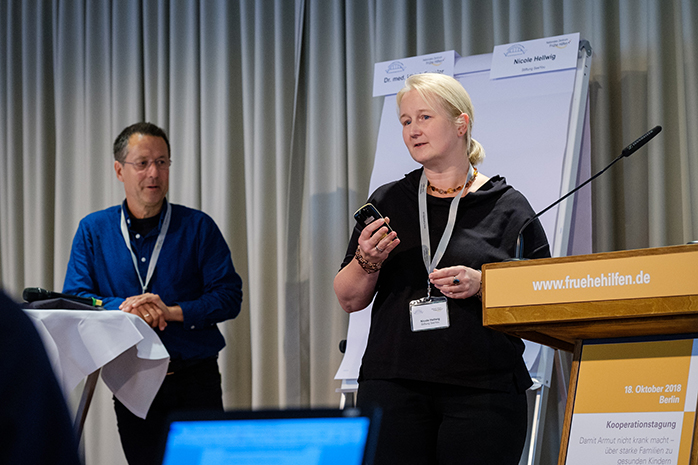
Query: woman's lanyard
[156, 251]
[430, 263]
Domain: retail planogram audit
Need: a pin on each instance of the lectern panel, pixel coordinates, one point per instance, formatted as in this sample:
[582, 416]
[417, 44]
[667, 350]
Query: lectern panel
[560, 324]
[636, 293]
[635, 403]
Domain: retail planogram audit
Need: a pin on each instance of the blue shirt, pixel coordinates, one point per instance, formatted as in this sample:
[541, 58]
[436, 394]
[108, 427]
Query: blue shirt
[194, 271]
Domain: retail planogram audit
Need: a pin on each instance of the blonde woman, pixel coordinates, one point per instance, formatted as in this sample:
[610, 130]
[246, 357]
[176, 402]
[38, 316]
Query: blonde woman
[451, 391]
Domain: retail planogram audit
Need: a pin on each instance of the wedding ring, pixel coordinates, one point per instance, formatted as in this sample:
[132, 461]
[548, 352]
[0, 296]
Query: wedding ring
[456, 280]
[380, 250]
[146, 315]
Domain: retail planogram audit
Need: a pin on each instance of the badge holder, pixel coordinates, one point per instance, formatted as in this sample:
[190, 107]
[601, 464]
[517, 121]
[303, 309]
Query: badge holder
[429, 313]
[432, 312]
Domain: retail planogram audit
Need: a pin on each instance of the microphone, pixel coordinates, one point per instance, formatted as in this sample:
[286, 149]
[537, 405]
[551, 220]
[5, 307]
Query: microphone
[626, 152]
[32, 294]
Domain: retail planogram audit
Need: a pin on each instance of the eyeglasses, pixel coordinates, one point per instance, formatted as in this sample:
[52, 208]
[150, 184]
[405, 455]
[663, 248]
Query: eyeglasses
[160, 164]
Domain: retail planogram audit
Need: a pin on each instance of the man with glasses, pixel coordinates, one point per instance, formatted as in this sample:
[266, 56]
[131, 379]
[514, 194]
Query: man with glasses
[167, 264]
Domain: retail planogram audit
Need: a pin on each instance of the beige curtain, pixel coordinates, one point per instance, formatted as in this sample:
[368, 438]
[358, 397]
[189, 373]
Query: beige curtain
[268, 106]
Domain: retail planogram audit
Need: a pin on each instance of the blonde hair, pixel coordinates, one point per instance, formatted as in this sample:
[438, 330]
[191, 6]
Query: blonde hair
[446, 93]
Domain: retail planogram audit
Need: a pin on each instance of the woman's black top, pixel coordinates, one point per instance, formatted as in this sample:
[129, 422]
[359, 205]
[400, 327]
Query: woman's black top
[465, 353]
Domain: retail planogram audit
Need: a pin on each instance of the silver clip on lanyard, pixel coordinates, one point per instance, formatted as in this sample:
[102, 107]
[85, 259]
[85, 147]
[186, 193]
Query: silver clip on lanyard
[430, 263]
[156, 251]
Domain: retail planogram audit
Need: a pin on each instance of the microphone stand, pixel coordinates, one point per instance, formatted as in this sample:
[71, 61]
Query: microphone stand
[627, 151]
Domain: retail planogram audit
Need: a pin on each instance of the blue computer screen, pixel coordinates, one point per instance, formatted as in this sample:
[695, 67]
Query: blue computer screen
[288, 441]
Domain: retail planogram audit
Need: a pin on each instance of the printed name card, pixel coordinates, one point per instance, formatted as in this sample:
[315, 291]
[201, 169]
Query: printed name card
[389, 76]
[535, 56]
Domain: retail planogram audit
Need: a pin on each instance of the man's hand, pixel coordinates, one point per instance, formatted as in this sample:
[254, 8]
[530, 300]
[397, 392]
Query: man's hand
[152, 310]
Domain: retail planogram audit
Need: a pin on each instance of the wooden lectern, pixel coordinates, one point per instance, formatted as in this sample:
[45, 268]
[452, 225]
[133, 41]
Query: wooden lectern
[562, 302]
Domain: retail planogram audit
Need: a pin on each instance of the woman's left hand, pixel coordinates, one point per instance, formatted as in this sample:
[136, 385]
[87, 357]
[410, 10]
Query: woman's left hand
[456, 282]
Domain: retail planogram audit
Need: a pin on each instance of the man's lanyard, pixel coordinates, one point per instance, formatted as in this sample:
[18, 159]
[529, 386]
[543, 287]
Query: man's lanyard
[156, 251]
[430, 263]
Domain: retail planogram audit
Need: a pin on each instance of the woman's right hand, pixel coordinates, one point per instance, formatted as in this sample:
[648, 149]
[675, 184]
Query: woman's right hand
[377, 241]
[355, 284]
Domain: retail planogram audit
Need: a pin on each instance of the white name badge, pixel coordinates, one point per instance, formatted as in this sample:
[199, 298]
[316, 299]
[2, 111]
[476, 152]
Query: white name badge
[429, 314]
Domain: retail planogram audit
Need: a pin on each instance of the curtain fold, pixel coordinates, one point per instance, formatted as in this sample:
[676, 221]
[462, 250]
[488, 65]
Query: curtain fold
[687, 51]
[222, 179]
[269, 85]
[326, 154]
[269, 109]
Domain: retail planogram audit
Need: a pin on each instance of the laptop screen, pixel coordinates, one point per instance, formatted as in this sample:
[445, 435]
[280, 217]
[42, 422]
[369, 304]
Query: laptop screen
[286, 437]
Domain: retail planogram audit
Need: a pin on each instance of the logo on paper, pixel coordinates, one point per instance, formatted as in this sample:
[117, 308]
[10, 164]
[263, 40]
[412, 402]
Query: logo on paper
[434, 61]
[559, 43]
[515, 50]
[395, 67]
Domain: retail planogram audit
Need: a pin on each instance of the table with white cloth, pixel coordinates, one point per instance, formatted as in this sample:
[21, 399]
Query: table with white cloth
[132, 359]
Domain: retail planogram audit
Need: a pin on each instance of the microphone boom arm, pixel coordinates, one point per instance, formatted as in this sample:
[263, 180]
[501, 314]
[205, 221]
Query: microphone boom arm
[627, 151]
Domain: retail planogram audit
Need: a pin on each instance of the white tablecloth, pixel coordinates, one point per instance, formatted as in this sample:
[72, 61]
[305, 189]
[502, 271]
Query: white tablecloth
[133, 360]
